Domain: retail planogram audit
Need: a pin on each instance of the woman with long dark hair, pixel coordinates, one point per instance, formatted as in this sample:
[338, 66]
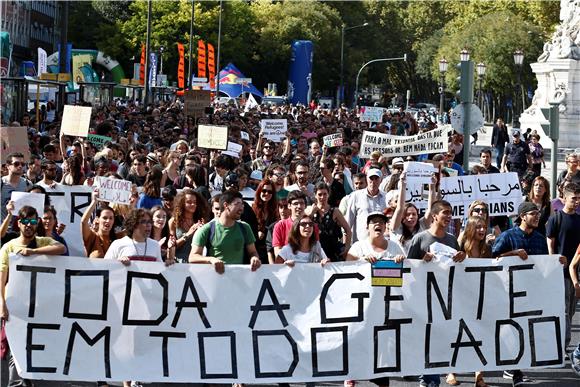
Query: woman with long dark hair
[540, 196]
[98, 238]
[265, 207]
[151, 195]
[190, 212]
[160, 229]
[302, 245]
[73, 171]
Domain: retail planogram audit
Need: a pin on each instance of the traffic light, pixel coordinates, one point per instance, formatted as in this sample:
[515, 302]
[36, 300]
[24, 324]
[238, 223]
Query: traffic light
[466, 81]
[552, 129]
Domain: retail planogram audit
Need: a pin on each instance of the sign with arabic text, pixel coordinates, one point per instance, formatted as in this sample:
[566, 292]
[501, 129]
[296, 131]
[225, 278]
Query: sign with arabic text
[501, 192]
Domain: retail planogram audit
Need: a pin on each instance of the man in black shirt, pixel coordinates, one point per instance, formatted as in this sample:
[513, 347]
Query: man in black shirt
[485, 158]
[517, 156]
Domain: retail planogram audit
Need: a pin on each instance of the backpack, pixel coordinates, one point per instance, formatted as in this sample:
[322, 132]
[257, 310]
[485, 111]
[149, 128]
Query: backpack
[211, 235]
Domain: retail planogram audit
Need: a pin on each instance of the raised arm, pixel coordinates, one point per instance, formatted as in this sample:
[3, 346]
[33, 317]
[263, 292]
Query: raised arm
[8, 219]
[86, 218]
[399, 211]
[347, 233]
[433, 194]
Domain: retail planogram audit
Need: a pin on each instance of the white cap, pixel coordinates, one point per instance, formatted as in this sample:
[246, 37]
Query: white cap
[398, 160]
[374, 172]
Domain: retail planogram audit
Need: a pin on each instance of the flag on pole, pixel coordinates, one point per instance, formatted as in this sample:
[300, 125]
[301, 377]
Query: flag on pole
[201, 59]
[142, 66]
[181, 66]
[42, 58]
[250, 103]
[211, 65]
[153, 69]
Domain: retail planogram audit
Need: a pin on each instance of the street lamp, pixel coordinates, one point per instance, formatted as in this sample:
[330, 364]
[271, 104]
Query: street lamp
[519, 61]
[464, 55]
[161, 49]
[442, 70]
[404, 57]
[480, 74]
[341, 90]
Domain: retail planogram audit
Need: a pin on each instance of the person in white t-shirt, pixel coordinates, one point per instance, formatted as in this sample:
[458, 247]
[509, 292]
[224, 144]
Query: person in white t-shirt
[302, 245]
[137, 246]
[376, 247]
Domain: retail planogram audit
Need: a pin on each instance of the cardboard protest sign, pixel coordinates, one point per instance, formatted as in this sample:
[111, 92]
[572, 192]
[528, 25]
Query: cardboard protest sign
[76, 120]
[419, 172]
[332, 140]
[433, 141]
[114, 190]
[233, 150]
[371, 114]
[14, 140]
[31, 199]
[95, 319]
[274, 130]
[212, 137]
[195, 102]
[501, 191]
[98, 140]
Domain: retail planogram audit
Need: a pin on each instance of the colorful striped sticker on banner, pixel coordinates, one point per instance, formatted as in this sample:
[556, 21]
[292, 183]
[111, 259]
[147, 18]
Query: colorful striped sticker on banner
[387, 273]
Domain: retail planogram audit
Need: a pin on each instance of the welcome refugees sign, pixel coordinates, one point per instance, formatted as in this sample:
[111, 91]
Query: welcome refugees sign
[73, 318]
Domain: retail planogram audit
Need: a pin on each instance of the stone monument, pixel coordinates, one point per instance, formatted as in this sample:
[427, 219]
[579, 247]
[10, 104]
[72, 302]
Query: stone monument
[558, 74]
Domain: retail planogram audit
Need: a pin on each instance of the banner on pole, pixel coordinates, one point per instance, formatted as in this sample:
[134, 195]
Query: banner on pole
[501, 192]
[93, 319]
[142, 65]
[433, 141]
[274, 130]
[181, 66]
[42, 58]
[152, 69]
[211, 65]
[201, 59]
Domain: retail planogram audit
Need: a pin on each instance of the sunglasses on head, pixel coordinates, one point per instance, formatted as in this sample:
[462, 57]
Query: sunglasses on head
[26, 222]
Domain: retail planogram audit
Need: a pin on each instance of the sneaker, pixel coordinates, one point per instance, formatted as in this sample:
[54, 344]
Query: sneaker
[136, 384]
[518, 380]
[509, 375]
[575, 360]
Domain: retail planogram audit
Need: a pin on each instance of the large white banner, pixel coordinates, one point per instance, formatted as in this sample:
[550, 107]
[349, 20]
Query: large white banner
[90, 319]
[501, 191]
[433, 141]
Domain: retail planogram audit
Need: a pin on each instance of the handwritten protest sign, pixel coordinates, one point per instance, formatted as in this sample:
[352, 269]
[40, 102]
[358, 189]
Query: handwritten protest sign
[233, 150]
[332, 140]
[31, 199]
[94, 319]
[274, 130]
[501, 191]
[76, 120]
[14, 140]
[98, 140]
[371, 114]
[113, 190]
[433, 141]
[419, 172]
[244, 135]
[212, 137]
[195, 102]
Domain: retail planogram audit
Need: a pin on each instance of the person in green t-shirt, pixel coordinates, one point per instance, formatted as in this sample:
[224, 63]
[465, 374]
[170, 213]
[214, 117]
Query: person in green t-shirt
[229, 239]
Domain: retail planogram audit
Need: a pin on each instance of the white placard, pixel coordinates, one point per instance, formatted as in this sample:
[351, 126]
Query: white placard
[76, 120]
[433, 141]
[501, 191]
[31, 199]
[419, 172]
[332, 140]
[114, 190]
[212, 137]
[233, 150]
[274, 130]
[371, 114]
[244, 135]
[188, 324]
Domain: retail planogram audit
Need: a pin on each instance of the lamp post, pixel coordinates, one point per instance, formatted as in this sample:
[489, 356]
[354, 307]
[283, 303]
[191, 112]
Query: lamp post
[340, 96]
[189, 68]
[466, 99]
[519, 61]
[480, 74]
[161, 49]
[217, 82]
[146, 90]
[442, 70]
[404, 57]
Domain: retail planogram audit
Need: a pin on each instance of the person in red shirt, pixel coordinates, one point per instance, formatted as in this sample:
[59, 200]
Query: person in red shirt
[296, 204]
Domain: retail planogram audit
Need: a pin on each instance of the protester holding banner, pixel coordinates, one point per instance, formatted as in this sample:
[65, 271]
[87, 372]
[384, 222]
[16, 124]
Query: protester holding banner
[14, 180]
[51, 226]
[160, 231]
[26, 244]
[190, 213]
[540, 196]
[98, 237]
[303, 246]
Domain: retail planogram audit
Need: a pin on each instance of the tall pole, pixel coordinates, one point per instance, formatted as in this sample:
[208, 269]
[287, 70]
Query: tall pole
[147, 49]
[217, 83]
[442, 96]
[341, 89]
[63, 37]
[189, 68]
[404, 57]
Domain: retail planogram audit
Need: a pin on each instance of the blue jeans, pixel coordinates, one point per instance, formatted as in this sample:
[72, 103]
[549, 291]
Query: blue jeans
[500, 149]
[430, 379]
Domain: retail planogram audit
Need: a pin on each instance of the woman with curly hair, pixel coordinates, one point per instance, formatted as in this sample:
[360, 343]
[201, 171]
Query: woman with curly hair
[265, 207]
[190, 212]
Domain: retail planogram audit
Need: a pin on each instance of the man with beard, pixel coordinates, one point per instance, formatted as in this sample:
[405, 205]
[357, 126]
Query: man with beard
[26, 244]
[14, 180]
[226, 238]
[302, 180]
[48, 182]
[485, 158]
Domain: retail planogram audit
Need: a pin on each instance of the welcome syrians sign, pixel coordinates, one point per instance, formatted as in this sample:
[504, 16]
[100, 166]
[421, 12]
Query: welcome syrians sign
[73, 318]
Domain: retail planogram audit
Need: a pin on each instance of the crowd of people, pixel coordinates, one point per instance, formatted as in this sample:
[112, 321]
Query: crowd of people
[288, 202]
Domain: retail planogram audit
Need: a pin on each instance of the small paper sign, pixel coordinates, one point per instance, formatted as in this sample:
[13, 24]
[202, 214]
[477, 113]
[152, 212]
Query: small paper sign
[387, 273]
[212, 137]
[113, 190]
[76, 120]
[332, 140]
[233, 150]
[31, 199]
[274, 130]
[245, 136]
[98, 141]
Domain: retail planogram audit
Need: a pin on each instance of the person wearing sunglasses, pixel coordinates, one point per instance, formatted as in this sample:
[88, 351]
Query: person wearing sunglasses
[49, 170]
[14, 181]
[303, 246]
[265, 206]
[26, 244]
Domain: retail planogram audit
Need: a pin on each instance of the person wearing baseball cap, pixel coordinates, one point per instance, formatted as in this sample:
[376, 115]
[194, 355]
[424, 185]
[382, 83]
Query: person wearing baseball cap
[375, 246]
